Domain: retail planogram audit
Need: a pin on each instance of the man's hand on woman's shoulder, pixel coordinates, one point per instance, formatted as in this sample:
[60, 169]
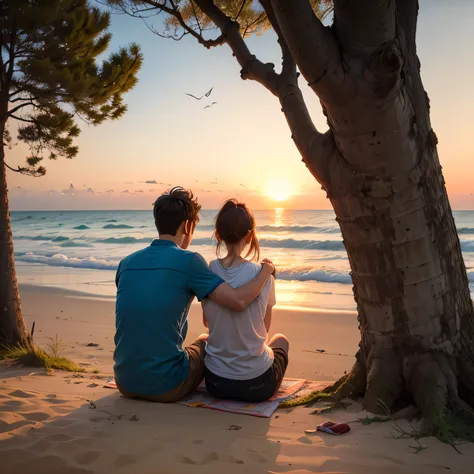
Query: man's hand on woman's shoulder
[267, 266]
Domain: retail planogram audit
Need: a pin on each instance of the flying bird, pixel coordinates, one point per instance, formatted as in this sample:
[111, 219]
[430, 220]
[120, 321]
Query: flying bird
[208, 106]
[207, 94]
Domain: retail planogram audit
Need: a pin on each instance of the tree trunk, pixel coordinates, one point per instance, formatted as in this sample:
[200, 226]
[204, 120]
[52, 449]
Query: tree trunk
[12, 326]
[410, 284]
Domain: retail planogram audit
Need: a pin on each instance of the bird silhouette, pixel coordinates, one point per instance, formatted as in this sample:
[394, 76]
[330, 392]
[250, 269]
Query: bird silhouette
[207, 94]
[208, 106]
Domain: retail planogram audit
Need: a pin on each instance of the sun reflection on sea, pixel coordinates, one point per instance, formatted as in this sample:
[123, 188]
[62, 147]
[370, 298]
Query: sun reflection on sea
[279, 216]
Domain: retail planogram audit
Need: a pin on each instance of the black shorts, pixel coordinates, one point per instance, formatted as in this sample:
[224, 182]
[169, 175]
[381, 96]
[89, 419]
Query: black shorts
[254, 390]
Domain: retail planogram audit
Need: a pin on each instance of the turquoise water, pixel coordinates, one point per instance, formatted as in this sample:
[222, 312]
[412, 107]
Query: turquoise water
[80, 250]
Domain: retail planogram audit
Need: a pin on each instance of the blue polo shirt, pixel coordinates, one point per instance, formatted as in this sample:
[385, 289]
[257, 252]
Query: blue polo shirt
[155, 288]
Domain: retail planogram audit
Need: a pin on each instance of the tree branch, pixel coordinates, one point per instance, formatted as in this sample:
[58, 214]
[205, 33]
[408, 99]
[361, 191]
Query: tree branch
[12, 169]
[312, 145]
[311, 44]
[252, 68]
[22, 119]
[288, 64]
[18, 107]
[174, 11]
[364, 26]
[27, 171]
[242, 5]
[18, 91]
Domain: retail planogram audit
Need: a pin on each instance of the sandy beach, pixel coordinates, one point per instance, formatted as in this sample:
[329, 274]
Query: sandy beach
[47, 424]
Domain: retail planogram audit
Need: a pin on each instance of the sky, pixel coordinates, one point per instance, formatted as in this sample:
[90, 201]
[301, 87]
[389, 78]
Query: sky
[241, 147]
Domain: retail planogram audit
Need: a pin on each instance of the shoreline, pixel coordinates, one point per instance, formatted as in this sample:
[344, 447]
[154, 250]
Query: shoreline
[31, 287]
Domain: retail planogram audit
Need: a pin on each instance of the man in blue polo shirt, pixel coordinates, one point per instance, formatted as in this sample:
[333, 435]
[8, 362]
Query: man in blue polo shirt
[155, 288]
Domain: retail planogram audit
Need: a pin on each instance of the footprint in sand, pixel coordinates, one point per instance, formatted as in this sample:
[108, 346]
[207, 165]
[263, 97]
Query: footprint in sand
[35, 416]
[55, 401]
[6, 427]
[87, 458]
[305, 440]
[13, 405]
[124, 460]
[21, 394]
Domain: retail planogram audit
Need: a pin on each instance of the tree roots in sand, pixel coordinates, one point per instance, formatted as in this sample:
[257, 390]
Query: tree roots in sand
[441, 387]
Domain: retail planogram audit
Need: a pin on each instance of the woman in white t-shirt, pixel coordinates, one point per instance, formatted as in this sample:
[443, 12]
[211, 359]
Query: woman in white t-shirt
[241, 363]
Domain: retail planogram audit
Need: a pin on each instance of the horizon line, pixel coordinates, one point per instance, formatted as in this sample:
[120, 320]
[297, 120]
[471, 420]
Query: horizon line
[203, 209]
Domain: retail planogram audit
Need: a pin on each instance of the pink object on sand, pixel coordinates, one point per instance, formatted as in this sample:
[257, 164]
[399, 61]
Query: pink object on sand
[334, 428]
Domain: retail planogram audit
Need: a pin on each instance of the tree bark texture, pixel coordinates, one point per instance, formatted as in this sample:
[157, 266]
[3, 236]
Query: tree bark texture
[12, 326]
[379, 165]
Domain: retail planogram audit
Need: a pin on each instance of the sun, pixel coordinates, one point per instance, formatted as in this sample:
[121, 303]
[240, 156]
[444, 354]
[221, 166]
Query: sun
[279, 189]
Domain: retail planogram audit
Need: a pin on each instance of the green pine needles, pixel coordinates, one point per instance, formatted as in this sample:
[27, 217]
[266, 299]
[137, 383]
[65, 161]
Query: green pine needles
[50, 75]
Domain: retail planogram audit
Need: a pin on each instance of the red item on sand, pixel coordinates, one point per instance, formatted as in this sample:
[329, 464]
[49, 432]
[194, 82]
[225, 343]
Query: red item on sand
[334, 428]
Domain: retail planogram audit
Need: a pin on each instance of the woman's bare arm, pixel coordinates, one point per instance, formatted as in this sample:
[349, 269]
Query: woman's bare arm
[268, 318]
[204, 319]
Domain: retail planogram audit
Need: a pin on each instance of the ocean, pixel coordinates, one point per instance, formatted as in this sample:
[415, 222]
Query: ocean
[80, 251]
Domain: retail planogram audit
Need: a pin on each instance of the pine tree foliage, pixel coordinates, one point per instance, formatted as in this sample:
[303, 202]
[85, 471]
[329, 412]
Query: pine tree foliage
[51, 76]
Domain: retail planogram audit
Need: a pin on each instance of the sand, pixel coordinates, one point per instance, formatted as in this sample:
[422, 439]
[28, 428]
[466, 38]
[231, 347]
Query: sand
[48, 425]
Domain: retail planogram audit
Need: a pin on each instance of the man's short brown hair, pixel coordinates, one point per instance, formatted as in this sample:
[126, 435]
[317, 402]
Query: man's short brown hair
[174, 207]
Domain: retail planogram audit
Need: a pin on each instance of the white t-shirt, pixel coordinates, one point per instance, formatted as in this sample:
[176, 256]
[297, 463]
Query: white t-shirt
[236, 348]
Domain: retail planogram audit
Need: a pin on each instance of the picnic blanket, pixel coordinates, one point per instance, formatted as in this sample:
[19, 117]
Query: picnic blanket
[200, 398]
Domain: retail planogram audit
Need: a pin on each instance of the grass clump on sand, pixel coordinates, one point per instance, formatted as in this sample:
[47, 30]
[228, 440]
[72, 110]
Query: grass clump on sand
[326, 395]
[49, 358]
[306, 400]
